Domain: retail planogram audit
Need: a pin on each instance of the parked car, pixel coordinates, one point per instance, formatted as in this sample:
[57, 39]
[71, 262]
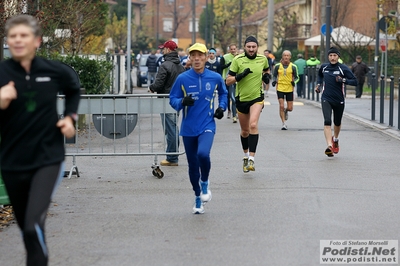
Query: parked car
[142, 70]
[6, 52]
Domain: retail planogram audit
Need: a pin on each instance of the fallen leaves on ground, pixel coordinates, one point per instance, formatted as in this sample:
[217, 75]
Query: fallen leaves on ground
[6, 216]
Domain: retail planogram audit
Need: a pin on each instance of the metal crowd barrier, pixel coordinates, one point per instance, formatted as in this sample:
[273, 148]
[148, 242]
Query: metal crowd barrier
[376, 83]
[120, 125]
[382, 89]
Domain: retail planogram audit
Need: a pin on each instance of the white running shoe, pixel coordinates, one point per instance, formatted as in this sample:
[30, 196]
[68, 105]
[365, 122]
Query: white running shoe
[198, 206]
[205, 194]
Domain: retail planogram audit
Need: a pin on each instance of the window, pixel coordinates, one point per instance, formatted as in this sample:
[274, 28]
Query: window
[191, 25]
[167, 24]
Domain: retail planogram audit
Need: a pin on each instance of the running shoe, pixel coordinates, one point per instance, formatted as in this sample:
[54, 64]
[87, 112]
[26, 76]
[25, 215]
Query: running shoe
[198, 206]
[250, 166]
[234, 119]
[286, 114]
[284, 127]
[329, 151]
[229, 115]
[245, 163]
[205, 194]
[335, 146]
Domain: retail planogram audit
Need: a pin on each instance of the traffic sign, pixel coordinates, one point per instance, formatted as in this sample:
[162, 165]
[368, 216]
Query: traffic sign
[323, 29]
[383, 45]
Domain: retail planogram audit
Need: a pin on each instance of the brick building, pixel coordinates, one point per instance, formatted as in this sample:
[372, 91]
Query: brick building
[168, 19]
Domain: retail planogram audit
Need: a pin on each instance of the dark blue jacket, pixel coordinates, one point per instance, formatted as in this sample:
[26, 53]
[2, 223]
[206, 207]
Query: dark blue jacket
[333, 90]
[151, 63]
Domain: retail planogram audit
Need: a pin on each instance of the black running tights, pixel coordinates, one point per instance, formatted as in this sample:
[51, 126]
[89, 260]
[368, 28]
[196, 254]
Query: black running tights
[336, 108]
[30, 193]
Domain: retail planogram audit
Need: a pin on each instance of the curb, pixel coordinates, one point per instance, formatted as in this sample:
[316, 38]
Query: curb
[390, 131]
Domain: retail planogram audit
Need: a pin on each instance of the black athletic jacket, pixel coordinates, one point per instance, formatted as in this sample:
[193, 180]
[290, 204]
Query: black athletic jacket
[29, 136]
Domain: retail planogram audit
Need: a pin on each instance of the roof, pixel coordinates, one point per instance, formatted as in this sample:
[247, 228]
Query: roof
[260, 16]
[344, 36]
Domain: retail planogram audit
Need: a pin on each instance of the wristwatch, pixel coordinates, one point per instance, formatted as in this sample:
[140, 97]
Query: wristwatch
[344, 80]
[74, 116]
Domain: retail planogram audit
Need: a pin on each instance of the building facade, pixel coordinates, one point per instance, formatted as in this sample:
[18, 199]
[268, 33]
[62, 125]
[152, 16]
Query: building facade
[173, 19]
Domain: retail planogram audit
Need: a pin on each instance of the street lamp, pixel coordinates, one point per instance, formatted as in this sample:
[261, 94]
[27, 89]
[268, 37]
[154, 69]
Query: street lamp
[176, 23]
[157, 23]
[193, 21]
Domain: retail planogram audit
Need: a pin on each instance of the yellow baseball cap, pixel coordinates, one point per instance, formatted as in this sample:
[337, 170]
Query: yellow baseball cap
[198, 47]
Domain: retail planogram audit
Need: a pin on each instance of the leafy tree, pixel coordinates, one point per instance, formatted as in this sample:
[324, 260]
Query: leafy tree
[9, 10]
[67, 24]
[117, 31]
[226, 17]
[121, 10]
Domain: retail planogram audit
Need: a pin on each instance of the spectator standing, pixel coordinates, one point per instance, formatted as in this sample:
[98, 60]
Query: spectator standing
[226, 61]
[212, 62]
[285, 77]
[32, 137]
[360, 70]
[193, 92]
[138, 56]
[332, 77]
[266, 86]
[312, 64]
[151, 64]
[249, 70]
[167, 73]
[301, 64]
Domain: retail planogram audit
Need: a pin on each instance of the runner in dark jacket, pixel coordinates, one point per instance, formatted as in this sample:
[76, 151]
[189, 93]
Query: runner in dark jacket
[332, 77]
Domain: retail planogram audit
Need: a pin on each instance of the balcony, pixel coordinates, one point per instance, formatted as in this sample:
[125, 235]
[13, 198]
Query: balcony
[298, 32]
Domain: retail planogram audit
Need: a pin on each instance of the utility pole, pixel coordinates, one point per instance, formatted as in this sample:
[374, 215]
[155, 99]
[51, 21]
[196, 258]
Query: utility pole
[271, 12]
[128, 48]
[175, 21]
[240, 23]
[157, 24]
[328, 28]
[206, 26]
[193, 21]
[212, 24]
[376, 59]
[322, 46]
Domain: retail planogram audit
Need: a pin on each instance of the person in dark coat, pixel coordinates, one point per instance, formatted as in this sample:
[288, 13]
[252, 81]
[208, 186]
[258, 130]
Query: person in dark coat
[151, 64]
[167, 73]
[360, 70]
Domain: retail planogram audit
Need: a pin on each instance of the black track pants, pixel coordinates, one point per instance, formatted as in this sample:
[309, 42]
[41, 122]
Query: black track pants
[30, 193]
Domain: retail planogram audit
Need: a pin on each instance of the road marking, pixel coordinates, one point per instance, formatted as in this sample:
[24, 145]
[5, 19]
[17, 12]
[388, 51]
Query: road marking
[294, 103]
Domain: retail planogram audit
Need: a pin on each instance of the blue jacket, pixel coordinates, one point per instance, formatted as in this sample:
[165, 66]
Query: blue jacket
[203, 88]
[333, 90]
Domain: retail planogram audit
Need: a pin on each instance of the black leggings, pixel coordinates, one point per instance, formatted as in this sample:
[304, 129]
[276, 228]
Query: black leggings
[337, 108]
[30, 193]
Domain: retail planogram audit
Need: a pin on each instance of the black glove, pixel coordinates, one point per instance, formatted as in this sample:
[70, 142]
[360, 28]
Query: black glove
[293, 83]
[245, 72]
[273, 83]
[219, 113]
[340, 79]
[188, 101]
[266, 77]
[317, 90]
[227, 65]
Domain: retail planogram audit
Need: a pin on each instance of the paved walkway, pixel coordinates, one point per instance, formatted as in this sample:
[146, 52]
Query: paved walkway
[118, 213]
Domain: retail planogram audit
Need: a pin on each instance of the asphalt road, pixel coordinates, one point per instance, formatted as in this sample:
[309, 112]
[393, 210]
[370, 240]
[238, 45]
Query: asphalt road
[118, 213]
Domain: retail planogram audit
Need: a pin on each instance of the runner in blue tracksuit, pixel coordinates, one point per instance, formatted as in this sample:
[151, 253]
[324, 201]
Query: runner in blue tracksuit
[333, 76]
[194, 92]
